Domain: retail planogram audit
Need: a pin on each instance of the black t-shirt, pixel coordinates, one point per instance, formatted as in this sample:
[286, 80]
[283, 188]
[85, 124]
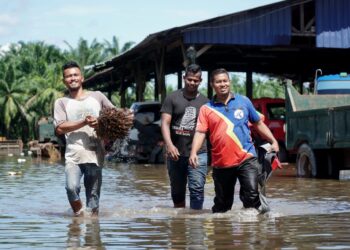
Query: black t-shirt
[184, 113]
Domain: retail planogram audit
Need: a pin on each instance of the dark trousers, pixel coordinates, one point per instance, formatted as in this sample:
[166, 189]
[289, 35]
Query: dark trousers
[225, 180]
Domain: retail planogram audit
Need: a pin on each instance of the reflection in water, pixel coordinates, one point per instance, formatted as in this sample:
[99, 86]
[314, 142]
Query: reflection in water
[84, 232]
[136, 213]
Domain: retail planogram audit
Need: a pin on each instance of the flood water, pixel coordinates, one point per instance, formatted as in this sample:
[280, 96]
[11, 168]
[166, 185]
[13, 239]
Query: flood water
[136, 212]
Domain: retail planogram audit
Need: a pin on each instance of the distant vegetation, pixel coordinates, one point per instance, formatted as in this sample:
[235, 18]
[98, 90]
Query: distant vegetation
[31, 80]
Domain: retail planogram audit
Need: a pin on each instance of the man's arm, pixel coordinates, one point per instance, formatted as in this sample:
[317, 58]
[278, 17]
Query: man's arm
[197, 142]
[172, 151]
[265, 133]
[69, 126]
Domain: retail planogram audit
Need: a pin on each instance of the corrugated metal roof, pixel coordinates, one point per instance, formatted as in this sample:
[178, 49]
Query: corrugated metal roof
[333, 23]
[266, 26]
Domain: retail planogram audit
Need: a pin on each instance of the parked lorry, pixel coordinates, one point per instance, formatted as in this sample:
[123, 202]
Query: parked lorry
[318, 127]
[48, 144]
[273, 110]
[144, 143]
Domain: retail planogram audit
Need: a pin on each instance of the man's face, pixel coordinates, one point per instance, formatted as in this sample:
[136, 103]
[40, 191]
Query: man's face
[221, 84]
[73, 78]
[192, 81]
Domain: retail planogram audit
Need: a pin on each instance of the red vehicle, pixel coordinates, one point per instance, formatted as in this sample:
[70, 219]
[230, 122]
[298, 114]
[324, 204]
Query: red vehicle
[274, 111]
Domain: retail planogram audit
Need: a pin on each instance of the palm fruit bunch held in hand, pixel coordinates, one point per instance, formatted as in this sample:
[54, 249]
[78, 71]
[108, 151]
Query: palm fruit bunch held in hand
[114, 123]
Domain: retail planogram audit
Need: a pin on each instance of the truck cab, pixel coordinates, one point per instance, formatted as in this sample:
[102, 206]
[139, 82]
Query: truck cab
[273, 110]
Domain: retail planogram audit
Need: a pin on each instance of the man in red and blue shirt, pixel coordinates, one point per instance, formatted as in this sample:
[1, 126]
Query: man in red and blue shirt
[227, 118]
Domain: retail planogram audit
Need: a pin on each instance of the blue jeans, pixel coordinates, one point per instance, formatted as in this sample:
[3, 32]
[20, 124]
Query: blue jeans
[92, 182]
[179, 171]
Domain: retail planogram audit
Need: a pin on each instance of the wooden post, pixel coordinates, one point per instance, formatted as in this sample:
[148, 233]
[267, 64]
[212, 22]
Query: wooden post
[209, 88]
[249, 84]
[179, 79]
[159, 65]
[156, 89]
[122, 92]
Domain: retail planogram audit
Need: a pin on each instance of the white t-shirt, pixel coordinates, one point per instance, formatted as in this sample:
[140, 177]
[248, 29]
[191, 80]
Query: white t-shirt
[82, 145]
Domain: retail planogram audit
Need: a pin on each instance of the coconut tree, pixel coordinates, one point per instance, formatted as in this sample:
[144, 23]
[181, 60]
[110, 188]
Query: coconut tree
[32, 57]
[85, 54]
[12, 96]
[269, 88]
[113, 49]
[46, 89]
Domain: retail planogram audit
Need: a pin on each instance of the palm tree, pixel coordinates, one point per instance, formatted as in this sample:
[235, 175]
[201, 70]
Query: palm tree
[270, 88]
[12, 96]
[85, 54]
[33, 57]
[33, 76]
[113, 49]
[236, 85]
[45, 90]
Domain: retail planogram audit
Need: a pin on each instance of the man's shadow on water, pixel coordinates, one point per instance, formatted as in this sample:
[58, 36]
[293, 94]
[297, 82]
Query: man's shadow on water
[84, 232]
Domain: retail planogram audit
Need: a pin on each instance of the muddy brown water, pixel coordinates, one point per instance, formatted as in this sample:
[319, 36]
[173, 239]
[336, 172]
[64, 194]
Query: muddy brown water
[136, 212]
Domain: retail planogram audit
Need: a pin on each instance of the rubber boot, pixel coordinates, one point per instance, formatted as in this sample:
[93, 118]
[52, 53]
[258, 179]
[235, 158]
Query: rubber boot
[180, 204]
[76, 206]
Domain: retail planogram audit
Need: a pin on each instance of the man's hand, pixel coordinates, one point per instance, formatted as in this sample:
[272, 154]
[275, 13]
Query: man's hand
[275, 147]
[172, 152]
[91, 121]
[193, 160]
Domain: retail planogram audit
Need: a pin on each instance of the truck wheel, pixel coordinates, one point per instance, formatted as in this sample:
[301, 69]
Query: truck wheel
[306, 162]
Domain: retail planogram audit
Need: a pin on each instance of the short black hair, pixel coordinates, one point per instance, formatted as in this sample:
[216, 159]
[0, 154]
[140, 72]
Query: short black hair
[70, 64]
[217, 72]
[193, 69]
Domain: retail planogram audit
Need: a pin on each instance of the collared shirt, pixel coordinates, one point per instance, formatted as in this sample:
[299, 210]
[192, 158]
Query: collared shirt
[228, 129]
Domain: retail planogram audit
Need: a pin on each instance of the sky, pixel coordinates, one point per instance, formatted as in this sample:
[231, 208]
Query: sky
[57, 21]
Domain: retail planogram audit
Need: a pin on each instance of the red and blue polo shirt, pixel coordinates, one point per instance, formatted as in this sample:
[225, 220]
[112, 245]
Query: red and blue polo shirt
[228, 129]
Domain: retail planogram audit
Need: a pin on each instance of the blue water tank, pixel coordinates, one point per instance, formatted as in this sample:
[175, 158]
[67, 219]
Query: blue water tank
[333, 84]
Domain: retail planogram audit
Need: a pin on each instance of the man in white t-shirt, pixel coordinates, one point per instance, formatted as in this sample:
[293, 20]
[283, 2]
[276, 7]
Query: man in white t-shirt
[75, 116]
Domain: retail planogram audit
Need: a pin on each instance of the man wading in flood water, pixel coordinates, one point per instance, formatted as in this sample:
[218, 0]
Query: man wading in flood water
[226, 119]
[179, 116]
[75, 116]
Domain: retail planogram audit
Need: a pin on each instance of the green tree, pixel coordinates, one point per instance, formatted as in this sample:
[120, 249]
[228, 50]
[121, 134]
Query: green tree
[236, 85]
[32, 58]
[272, 88]
[45, 90]
[12, 96]
[86, 54]
[112, 49]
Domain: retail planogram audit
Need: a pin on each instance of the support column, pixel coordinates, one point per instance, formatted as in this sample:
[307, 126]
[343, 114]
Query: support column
[249, 84]
[209, 88]
[179, 79]
[122, 91]
[156, 89]
[140, 87]
[159, 65]
[123, 99]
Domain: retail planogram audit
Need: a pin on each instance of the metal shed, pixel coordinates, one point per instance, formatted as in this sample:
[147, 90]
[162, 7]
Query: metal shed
[290, 38]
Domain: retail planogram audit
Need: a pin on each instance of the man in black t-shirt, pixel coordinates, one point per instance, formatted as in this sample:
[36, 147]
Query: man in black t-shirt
[179, 118]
